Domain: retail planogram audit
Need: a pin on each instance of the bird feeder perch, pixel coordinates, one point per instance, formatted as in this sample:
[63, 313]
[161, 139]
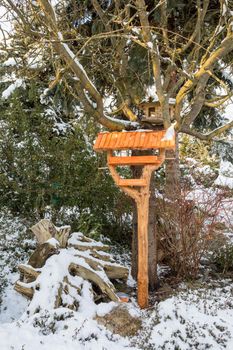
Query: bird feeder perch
[138, 188]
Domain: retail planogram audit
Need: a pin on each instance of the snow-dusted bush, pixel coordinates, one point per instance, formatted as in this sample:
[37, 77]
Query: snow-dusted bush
[225, 177]
[187, 227]
[222, 257]
[16, 245]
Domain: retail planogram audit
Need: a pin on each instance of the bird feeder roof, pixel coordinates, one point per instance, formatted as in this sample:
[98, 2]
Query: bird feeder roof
[141, 140]
[153, 100]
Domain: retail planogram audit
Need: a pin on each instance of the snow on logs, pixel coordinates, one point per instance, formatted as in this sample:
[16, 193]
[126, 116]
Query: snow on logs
[61, 263]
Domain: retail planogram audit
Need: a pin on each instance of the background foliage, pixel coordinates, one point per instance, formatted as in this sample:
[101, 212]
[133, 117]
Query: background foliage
[48, 166]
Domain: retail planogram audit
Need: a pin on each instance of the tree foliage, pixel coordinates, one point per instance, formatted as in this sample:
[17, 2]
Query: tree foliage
[49, 165]
[120, 48]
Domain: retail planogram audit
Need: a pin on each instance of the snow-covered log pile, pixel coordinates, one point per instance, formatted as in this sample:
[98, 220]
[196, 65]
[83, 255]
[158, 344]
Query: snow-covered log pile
[65, 264]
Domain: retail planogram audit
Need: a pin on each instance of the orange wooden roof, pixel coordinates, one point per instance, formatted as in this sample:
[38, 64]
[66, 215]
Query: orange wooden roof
[132, 140]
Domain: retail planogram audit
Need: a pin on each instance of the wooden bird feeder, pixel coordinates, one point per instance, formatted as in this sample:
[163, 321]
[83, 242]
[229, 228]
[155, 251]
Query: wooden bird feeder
[153, 113]
[138, 189]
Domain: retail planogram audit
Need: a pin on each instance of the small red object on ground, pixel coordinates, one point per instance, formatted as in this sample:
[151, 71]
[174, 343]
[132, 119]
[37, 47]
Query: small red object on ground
[124, 298]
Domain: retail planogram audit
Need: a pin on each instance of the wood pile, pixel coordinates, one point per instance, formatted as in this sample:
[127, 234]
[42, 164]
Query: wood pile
[82, 259]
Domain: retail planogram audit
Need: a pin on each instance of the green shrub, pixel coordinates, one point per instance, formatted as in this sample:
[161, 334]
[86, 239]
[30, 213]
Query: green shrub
[46, 163]
[223, 258]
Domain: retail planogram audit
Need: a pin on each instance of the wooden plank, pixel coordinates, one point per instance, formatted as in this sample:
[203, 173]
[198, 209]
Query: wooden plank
[133, 160]
[141, 141]
[132, 182]
[123, 138]
[131, 139]
[143, 279]
[103, 139]
[136, 140]
[109, 140]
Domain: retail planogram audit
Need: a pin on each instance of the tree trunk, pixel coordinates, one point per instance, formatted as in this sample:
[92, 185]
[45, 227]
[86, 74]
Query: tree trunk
[136, 173]
[172, 173]
[134, 258]
[152, 239]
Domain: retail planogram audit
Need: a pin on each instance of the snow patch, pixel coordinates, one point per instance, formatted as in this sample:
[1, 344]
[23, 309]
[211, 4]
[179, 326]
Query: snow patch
[9, 91]
[10, 62]
[170, 133]
[53, 241]
[225, 177]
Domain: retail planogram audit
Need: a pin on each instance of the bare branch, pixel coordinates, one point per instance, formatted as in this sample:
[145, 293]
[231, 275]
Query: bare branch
[210, 135]
[200, 80]
[85, 84]
[155, 58]
[218, 101]
[201, 12]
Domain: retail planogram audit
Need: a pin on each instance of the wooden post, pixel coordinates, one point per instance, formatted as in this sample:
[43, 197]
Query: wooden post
[142, 211]
[143, 217]
[137, 188]
[141, 195]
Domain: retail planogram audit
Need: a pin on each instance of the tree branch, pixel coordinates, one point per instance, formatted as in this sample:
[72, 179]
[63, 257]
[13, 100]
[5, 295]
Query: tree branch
[201, 12]
[218, 101]
[155, 59]
[85, 84]
[202, 75]
[210, 135]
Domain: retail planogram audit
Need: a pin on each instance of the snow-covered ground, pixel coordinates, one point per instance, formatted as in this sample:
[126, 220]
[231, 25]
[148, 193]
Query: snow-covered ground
[196, 316]
[192, 319]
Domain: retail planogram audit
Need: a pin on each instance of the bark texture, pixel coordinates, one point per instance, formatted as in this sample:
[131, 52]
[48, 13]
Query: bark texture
[172, 171]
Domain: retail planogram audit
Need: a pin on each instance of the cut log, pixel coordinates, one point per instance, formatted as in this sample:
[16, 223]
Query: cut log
[45, 229]
[101, 256]
[41, 254]
[62, 235]
[113, 271]
[67, 290]
[93, 265]
[116, 271]
[81, 242]
[106, 287]
[26, 291]
[89, 246]
[58, 300]
[83, 238]
[68, 285]
[28, 273]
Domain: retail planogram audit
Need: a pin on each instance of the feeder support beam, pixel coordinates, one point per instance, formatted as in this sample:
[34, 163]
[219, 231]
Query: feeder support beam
[141, 195]
[139, 188]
